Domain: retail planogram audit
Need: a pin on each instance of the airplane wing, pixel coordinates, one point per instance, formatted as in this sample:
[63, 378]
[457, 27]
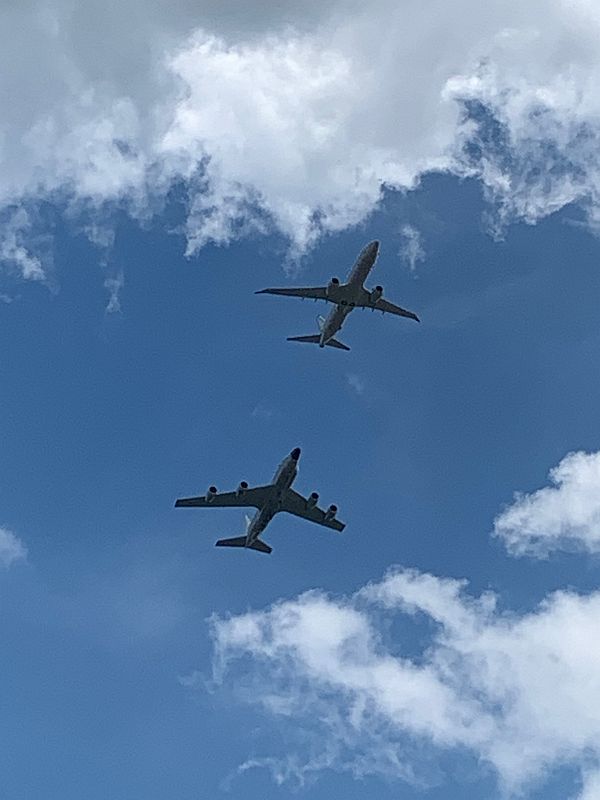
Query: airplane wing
[249, 498]
[390, 308]
[294, 503]
[312, 292]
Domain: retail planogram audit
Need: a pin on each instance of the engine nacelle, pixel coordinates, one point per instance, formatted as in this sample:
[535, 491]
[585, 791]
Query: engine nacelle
[330, 513]
[332, 285]
[376, 294]
[210, 494]
[312, 500]
[241, 488]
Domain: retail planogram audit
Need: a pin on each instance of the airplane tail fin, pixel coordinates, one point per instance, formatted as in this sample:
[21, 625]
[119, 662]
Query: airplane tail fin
[316, 340]
[241, 541]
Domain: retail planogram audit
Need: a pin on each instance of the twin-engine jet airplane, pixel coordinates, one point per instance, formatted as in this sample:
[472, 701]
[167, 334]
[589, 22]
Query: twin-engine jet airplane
[345, 297]
[268, 500]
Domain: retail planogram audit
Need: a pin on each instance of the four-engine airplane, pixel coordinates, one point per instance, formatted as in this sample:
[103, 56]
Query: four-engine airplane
[268, 500]
[345, 297]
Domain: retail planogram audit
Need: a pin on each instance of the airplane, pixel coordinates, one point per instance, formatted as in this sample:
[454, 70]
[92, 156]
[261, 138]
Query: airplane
[268, 500]
[345, 297]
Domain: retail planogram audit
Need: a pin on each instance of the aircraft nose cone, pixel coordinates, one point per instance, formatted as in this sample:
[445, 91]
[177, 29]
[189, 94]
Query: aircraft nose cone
[295, 453]
[374, 246]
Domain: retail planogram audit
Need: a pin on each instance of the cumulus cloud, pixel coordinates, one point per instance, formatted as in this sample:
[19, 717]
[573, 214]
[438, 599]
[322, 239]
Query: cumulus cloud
[565, 515]
[294, 118]
[519, 692]
[12, 548]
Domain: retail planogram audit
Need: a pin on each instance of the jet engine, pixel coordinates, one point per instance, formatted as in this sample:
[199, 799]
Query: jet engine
[376, 294]
[312, 500]
[210, 494]
[241, 488]
[331, 512]
[332, 285]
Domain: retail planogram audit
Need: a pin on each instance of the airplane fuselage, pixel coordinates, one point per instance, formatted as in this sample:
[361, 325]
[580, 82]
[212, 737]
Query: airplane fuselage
[282, 481]
[347, 295]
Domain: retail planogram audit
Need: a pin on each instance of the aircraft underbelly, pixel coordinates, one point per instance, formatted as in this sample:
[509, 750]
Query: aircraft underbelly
[285, 479]
[364, 264]
[335, 321]
[259, 523]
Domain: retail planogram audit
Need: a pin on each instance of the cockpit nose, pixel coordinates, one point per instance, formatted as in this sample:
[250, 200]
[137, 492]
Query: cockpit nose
[295, 453]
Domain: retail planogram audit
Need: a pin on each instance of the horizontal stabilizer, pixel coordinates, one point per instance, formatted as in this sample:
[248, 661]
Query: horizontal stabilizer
[335, 343]
[237, 541]
[260, 546]
[317, 339]
[241, 541]
[312, 339]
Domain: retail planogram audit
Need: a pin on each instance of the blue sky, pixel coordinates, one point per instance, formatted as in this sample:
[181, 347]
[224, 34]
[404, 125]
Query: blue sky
[108, 418]
[160, 162]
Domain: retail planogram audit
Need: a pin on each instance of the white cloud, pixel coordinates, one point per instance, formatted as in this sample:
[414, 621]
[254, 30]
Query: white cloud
[411, 249]
[263, 411]
[192, 679]
[356, 383]
[520, 692]
[294, 116]
[12, 548]
[114, 286]
[563, 516]
[14, 234]
[591, 787]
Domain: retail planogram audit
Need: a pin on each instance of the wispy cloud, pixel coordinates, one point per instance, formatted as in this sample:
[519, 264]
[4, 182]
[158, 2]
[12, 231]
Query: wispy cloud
[192, 679]
[356, 383]
[519, 691]
[262, 411]
[563, 516]
[114, 286]
[411, 249]
[15, 239]
[12, 548]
